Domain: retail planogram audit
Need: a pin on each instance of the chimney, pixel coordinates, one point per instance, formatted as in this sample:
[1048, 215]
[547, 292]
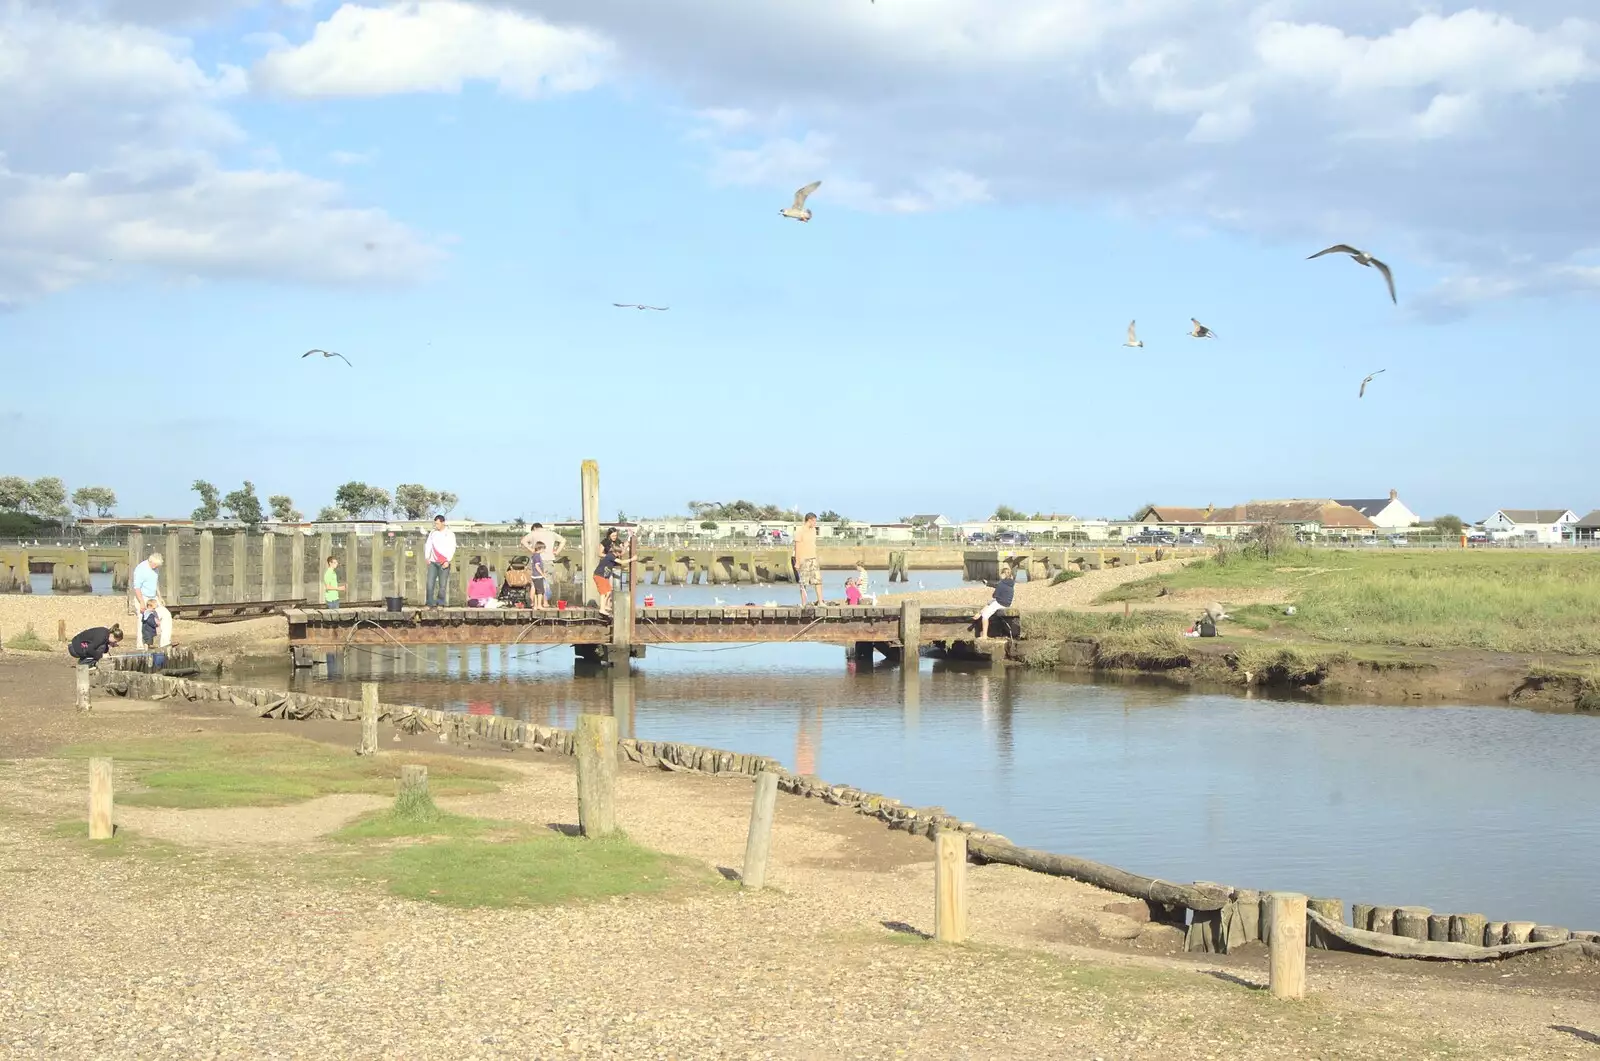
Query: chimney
[1394, 495]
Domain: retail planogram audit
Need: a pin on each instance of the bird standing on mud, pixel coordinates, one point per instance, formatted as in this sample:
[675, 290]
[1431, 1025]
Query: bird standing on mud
[799, 211]
[1361, 257]
[1200, 331]
[326, 353]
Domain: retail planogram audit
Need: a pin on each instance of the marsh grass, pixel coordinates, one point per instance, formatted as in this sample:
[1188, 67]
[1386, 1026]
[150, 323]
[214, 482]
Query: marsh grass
[1501, 600]
[29, 641]
[270, 770]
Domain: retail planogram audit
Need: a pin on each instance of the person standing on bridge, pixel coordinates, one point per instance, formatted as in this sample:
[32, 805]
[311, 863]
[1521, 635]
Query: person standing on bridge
[553, 542]
[439, 548]
[147, 595]
[806, 570]
[330, 584]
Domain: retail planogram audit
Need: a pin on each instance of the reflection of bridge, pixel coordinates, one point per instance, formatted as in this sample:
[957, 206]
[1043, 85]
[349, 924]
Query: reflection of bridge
[866, 629]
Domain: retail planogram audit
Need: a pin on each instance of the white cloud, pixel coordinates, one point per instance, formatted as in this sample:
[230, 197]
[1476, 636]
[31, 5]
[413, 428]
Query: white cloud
[434, 46]
[112, 134]
[350, 158]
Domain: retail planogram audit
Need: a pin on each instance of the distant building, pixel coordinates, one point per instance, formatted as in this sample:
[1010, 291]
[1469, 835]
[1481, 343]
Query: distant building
[1316, 516]
[1545, 526]
[1390, 512]
[1587, 529]
[929, 520]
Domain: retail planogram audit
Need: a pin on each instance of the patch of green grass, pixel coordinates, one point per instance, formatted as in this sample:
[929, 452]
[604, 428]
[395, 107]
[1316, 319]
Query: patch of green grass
[393, 824]
[1076, 626]
[531, 869]
[29, 641]
[270, 770]
[1502, 600]
[1066, 574]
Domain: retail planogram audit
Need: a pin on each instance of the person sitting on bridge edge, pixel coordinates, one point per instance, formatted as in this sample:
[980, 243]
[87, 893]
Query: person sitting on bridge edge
[805, 558]
[481, 588]
[91, 645]
[1005, 591]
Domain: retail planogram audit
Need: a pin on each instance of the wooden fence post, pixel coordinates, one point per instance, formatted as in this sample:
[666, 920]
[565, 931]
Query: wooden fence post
[100, 799]
[595, 742]
[1287, 971]
[83, 687]
[950, 886]
[61, 629]
[758, 845]
[369, 719]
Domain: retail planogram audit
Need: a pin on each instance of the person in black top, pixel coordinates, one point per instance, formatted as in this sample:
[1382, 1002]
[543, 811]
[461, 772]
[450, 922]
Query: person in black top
[91, 645]
[1004, 592]
[607, 568]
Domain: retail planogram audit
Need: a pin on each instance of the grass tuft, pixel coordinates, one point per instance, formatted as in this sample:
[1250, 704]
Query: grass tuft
[1066, 574]
[29, 641]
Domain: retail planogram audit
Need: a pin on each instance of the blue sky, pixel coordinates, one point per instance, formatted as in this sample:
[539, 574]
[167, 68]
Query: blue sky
[454, 196]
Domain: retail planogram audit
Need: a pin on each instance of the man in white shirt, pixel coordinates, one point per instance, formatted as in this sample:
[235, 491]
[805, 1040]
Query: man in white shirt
[439, 549]
[553, 543]
[147, 595]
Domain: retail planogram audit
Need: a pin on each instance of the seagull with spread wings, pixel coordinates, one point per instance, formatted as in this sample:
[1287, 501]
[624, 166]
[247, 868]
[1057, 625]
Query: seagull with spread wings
[799, 211]
[637, 305]
[1200, 331]
[326, 353]
[1361, 257]
[1133, 338]
[1362, 393]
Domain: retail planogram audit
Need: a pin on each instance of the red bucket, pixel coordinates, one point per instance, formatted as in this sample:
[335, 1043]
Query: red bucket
[561, 605]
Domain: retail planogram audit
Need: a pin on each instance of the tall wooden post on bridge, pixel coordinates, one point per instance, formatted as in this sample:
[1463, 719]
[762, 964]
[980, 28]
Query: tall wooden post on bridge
[910, 638]
[622, 623]
[172, 568]
[375, 583]
[590, 481]
[207, 592]
[269, 565]
[297, 566]
[241, 563]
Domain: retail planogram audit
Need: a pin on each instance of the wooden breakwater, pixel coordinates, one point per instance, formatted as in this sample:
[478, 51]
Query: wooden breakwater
[1218, 918]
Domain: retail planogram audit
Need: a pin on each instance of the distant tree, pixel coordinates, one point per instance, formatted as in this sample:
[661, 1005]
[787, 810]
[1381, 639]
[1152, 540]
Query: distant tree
[1449, 525]
[830, 516]
[243, 504]
[94, 500]
[1008, 514]
[283, 509]
[210, 501]
[622, 517]
[742, 510]
[415, 501]
[447, 502]
[47, 497]
[360, 500]
[332, 514]
[709, 524]
[518, 524]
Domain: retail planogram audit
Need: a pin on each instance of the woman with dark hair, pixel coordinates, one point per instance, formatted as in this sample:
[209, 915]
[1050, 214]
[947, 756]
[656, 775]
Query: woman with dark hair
[606, 570]
[91, 645]
[481, 588]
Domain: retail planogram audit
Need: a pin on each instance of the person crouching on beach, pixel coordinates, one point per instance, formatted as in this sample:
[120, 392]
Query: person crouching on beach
[91, 645]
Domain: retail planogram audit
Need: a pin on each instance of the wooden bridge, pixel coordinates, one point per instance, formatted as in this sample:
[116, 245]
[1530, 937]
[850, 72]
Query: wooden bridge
[593, 635]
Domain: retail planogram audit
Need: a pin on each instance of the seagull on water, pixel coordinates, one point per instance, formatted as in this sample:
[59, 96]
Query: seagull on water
[1361, 257]
[799, 211]
[1200, 331]
[326, 353]
[1362, 393]
[1133, 339]
[637, 305]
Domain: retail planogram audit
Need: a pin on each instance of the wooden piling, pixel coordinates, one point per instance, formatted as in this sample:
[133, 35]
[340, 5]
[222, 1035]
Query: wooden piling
[1333, 910]
[950, 886]
[100, 827]
[1549, 934]
[207, 593]
[297, 566]
[81, 672]
[1411, 922]
[1361, 915]
[1383, 919]
[589, 481]
[1439, 928]
[911, 634]
[1494, 933]
[369, 719]
[1519, 931]
[61, 629]
[171, 575]
[241, 560]
[1287, 958]
[595, 743]
[269, 565]
[758, 844]
[1467, 928]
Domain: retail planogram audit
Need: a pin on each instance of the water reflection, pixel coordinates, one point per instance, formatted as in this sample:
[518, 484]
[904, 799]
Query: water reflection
[1458, 808]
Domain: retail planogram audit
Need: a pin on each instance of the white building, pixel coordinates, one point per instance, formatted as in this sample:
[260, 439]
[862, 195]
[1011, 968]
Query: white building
[1546, 526]
[1386, 513]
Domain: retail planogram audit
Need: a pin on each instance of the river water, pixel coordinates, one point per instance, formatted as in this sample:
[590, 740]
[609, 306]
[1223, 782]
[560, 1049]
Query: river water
[1462, 809]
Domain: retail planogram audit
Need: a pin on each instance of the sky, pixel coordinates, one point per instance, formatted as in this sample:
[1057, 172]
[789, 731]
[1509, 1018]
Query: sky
[453, 193]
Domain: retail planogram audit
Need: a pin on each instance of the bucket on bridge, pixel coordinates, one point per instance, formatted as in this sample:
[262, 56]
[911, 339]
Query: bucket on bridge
[394, 604]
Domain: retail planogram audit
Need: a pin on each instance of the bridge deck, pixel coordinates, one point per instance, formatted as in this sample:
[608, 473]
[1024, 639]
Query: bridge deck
[652, 626]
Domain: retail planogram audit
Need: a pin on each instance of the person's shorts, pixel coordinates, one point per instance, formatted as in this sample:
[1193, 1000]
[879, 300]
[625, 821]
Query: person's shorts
[810, 572]
[603, 584]
[539, 586]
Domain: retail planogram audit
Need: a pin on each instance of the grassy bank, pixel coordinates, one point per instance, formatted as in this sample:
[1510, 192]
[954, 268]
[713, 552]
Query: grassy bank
[1502, 600]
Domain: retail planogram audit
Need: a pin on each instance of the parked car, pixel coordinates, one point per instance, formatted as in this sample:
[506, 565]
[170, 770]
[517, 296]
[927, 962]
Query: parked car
[977, 538]
[1191, 539]
[1398, 539]
[1011, 538]
[1152, 537]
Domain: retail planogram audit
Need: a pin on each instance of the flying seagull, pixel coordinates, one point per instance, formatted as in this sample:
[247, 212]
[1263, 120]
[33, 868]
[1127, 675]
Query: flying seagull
[1362, 393]
[1200, 331]
[799, 211]
[1133, 339]
[1362, 258]
[636, 305]
[326, 353]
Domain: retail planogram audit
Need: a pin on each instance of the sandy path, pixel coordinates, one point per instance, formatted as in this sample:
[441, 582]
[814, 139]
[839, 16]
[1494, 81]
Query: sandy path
[1041, 596]
[44, 612]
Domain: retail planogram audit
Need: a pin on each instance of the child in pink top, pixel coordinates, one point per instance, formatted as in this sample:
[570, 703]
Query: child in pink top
[852, 592]
[481, 588]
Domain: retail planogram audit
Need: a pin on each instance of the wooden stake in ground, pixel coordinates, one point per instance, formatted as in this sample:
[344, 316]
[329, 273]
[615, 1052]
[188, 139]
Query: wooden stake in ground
[950, 887]
[61, 629]
[82, 687]
[369, 719]
[100, 799]
[759, 843]
[1287, 971]
[595, 742]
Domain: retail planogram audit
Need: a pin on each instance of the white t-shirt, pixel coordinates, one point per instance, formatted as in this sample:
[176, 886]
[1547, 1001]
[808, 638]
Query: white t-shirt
[546, 536]
[439, 543]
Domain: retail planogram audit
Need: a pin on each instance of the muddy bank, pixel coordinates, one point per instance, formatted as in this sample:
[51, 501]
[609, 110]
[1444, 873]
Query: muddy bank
[1334, 673]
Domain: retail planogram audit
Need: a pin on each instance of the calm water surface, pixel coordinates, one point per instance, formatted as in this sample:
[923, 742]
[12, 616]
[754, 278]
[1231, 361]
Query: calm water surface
[1459, 808]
